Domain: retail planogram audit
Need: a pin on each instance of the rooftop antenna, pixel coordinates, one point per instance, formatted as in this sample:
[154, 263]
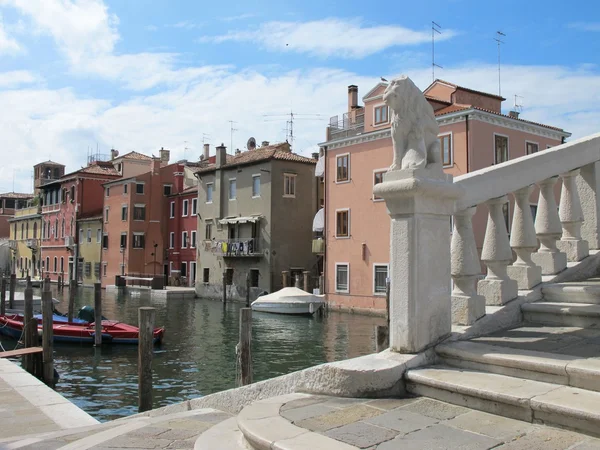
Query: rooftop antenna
[205, 137]
[289, 126]
[498, 39]
[231, 122]
[185, 148]
[518, 107]
[435, 28]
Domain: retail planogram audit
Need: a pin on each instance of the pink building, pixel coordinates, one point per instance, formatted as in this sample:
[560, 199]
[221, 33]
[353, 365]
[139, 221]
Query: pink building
[474, 133]
[183, 229]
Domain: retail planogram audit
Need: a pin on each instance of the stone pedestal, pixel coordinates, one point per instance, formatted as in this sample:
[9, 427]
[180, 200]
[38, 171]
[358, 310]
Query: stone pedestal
[420, 203]
[525, 276]
[550, 262]
[575, 249]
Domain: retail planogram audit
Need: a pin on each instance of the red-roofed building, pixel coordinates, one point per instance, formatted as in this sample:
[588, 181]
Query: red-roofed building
[9, 202]
[474, 133]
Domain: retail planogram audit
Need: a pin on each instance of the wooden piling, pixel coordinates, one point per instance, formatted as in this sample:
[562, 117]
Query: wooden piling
[306, 279]
[224, 287]
[247, 290]
[47, 333]
[72, 291]
[37, 359]
[97, 314]
[27, 316]
[3, 296]
[285, 278]
[146, 316]
[245, 345]
[321, 284]
[11, 292]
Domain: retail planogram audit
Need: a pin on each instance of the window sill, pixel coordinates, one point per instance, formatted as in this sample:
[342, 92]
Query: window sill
[289, 196]
[447, 166]
[232, 199]
[171, 217]
[342, 292]
[342, 237]
[342, 181]
[256, 196]
[139, 220]
[379, 294]
[377, 200]
[209, 203]
[380, 124]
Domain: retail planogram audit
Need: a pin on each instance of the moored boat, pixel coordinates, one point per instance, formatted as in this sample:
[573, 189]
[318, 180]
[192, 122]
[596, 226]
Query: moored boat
[289, 300]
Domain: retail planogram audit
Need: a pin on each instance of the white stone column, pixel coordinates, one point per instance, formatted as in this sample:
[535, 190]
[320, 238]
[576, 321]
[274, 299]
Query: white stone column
[548, 230]
[497, 287]
[420, 203]
[571, 217]
[524, 242]
[588, 188]
[467, 305]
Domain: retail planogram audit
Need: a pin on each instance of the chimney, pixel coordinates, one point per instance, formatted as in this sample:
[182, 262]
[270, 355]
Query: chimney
[165, 155]
[155, 165]
[114, 153]
[315, 155]
[264, 144]
[352, 97]
[513, 114]
[206, 152]
[237, 151]
[221, 158]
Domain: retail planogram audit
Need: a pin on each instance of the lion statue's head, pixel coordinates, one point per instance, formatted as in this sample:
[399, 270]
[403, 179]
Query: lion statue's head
[401, 93]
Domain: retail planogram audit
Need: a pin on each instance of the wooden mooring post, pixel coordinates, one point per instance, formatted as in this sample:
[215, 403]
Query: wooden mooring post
[146, 316]
[306, 280]
[245, 345]
[27, 317]
[3, 296]
[47, 333]
[72, 292]
[224, 288]
[285, 277]
[248, 290]
[97, 313]
[11, 292]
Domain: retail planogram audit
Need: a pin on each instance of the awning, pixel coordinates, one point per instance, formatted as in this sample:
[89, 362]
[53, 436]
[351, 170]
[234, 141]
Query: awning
[245, 219]
[320, 167]
[319, 220]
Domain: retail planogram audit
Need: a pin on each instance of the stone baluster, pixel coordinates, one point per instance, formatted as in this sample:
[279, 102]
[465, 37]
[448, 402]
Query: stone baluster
[548, 230]
[497, 287]
[571, 217]
[467, 305]
[524, 242]
[588, 188]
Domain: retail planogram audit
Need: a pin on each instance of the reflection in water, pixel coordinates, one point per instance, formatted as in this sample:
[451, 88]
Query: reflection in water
[198, 354]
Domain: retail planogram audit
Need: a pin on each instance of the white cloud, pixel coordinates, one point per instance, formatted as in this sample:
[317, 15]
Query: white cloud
[328, 37]
[186, 25]
[585, 26]
[239, 17]
[16, 78]
[7, 44]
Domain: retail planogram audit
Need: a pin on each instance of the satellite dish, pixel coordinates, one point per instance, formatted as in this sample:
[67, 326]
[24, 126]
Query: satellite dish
[251, 144]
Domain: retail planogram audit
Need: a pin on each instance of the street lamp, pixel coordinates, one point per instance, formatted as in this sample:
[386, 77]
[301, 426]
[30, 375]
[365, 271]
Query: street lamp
[123, 263]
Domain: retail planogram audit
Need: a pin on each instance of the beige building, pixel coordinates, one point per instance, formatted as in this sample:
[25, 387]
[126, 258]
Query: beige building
[255, 212]
[90, 245]
[24, 243]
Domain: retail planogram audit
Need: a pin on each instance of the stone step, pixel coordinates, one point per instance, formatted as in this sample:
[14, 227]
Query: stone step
[532, 365]
[223, 436]
[583, 315]
[507, 396]
[573, 292]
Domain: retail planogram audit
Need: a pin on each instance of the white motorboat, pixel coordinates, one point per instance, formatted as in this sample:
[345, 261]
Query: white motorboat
[289, 300]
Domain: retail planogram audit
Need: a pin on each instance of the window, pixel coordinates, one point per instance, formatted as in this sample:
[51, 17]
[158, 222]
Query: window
[228, 276]
[105, 241]
[107, 192]
[531, 147]
[343, 168]
[97, 270]
[205, 275]
[47, 266]
[138, 240]
[184, 269]
[35, 228]
[194, 206]
[446, 149]
[500, 149]
[254, 274]
[139, 188]
[381, 115]
[125, 188]
[98, 235]
[89, 235]
[208, 231]
[124, 212]
[255, 185]
[62, 264]
[289, 185]
[55, 264]
[139, 212]
[184, 239]
[104, 269]
[232, 189]
[22, 230]
[106, 215]
[193, 240]
[172, 210]
[123, 240]
[166, 189]
[209, 192]
[81, 235]
[171, 240]
[185, 208]
[192, 273]
[341, 278]
[341, 223]
[88, 269]
[119, 167]
[377, 178]
[380, 274]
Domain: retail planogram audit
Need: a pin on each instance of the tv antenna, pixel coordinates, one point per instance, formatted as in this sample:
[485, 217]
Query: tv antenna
[435, 28]
[231, 122]
[289, 125]
[518, 106]
[185, 148]
[205, 137]
[498, 39]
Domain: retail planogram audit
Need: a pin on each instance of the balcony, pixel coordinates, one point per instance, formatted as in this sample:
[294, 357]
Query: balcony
[50, 208]
[12, 244]
[32, 243]
[318, 246]
[235, 248]
[69, 241]
[345, 127]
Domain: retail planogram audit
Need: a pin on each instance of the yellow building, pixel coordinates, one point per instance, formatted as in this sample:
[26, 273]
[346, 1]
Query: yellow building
[90, 249]
[25, 234]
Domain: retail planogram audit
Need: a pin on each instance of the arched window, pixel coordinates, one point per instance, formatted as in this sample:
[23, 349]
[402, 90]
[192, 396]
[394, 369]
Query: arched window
[27, 230]
[62, 264]
[15, 230]
[35, 230]
[63, 228]
[56, 173]
[47, 266]
[55, 264]
[56, 228]
[22, 228]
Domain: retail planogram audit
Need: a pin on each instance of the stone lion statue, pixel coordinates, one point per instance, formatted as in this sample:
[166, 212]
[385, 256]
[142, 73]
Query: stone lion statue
[414, 128]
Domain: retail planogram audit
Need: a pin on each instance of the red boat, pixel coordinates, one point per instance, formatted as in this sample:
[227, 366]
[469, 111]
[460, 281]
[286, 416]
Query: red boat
[79, 331]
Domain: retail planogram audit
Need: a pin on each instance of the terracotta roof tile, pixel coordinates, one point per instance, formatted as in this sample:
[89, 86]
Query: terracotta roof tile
[436, 99]
[16, 195]
[97, 169]
[451, 109]
[135, 155]
[462, 88]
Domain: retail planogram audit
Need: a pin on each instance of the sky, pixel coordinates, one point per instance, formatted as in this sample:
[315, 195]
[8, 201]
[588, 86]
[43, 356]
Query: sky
[81, 76]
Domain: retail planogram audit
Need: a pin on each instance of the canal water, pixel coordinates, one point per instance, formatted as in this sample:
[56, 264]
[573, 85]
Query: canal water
[197, 356]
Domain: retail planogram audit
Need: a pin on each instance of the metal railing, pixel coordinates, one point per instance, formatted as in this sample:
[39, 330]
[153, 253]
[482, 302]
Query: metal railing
[345, 127]
[241, 247]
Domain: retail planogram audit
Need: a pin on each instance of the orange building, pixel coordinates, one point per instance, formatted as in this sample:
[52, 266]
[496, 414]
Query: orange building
[474, 133]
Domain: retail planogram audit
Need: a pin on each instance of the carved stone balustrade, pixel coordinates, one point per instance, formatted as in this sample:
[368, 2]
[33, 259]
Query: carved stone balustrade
[497, 287]
[571, 218]
[524, 242]
[588, 188]
[548, 230]
[467, 305]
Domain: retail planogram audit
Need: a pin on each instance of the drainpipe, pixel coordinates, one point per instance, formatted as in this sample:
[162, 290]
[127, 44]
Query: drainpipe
[325, 197]
[467, 140]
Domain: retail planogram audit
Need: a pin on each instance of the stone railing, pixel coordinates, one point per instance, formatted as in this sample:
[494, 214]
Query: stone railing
[561, 231]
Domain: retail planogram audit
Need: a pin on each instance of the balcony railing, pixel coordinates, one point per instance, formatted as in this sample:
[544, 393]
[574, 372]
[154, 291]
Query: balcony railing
[318, 246]
[50, 208]
[346, 126]
[12, 244]
[235, 248]
[32, 243]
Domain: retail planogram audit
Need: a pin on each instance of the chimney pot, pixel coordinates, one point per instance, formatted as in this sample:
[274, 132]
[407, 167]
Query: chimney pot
[265, 144]
[513, 114]
[206, 152]
[352, 97]
[221, 157]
